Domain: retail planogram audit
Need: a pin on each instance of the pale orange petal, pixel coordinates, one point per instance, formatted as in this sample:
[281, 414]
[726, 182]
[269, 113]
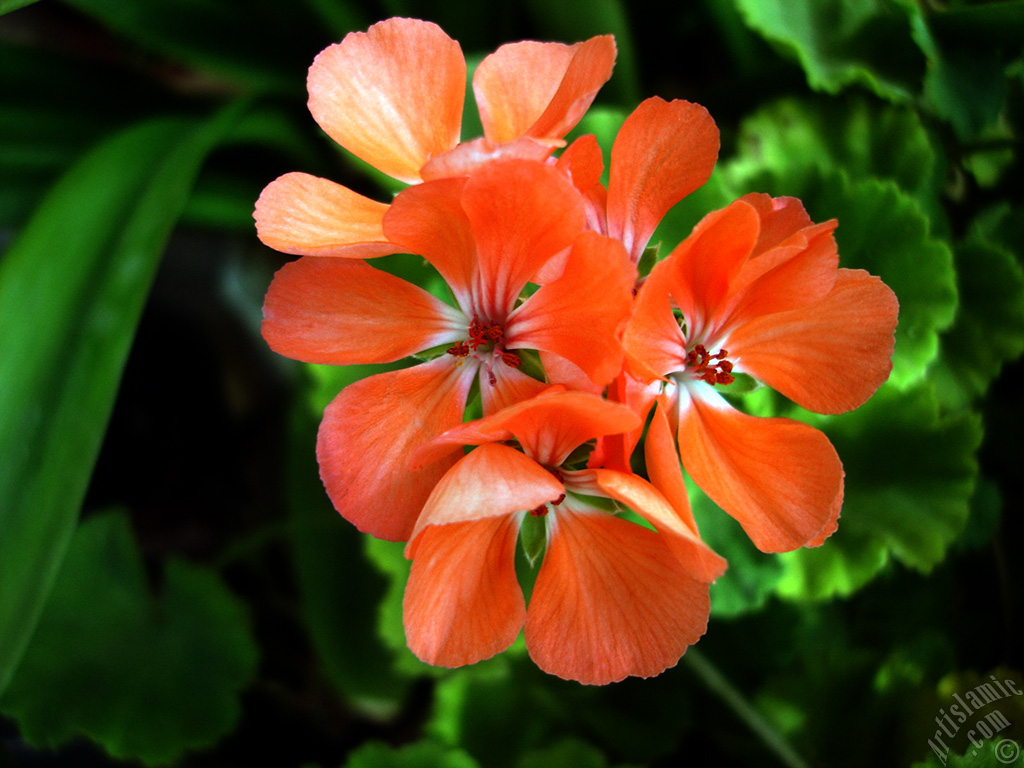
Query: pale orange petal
[540, 89]
[663, 152]
[779, 478]
[827, 357]
[490, 481]
[462, 602]
[309, 216]
[611, 601]
[368, 433]
[342, 312]
[392, 95]
[696, 557]
[523, 214]
[587, 332]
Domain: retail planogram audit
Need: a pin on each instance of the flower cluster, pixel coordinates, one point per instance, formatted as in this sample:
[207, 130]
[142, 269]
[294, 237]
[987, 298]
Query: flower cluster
[577, 360]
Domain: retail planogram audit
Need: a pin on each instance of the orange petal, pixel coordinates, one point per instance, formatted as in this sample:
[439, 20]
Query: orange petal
[664, 469]
[370, 430]
[508, 387]
[794, 274]
[583, 163]
[827, 357]
[663, 152]
[540, 89]
[610, 601]
[615, 451]
[306, 215]
[342, 312]
[376, 95]
[523, 214]
[653, 340]
[428, 220]
[697, 558]
[549, 426]
[781, 217]
[490, 481]
[701, 270]
[587, 332]
[462, 602]
[471, 155]
[781, 479]
[558, 370]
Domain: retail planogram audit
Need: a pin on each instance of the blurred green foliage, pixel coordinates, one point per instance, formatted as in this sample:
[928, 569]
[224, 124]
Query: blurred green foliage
[228, 615]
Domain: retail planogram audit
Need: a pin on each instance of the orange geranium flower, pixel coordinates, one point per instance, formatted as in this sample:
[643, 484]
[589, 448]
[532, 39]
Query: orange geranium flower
[488, 235]
[612, 598]
[393, 96]
[756, 289]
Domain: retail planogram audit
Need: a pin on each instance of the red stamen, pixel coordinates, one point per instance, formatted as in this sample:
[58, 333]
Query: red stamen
[511, 359]
[542, 509]
[704, 367]
[458, 349]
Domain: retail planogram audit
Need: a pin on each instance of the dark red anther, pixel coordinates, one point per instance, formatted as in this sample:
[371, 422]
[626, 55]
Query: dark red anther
[458, 349]
[706, 369]
[511, 359]
[539, 511]
[558, 501]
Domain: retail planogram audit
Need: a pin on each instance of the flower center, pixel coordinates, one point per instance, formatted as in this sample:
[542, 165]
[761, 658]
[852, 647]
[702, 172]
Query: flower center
[485, 336]
[704, 367]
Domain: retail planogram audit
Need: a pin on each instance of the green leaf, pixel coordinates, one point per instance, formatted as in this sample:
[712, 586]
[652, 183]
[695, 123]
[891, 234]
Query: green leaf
[844, 42]
[259, 44]
[795, 139]
[390, 560]
[752, 575]
[910, 477]
[965, 83]
[6, 6]
[148, 678]
[964, 86]
[422, 754]
[989, 327]
[72, 287]
[55, 108]
[568, 753]
[340, 589]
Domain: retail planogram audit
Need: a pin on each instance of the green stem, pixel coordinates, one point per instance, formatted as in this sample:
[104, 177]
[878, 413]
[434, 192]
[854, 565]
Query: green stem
[743, 709]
